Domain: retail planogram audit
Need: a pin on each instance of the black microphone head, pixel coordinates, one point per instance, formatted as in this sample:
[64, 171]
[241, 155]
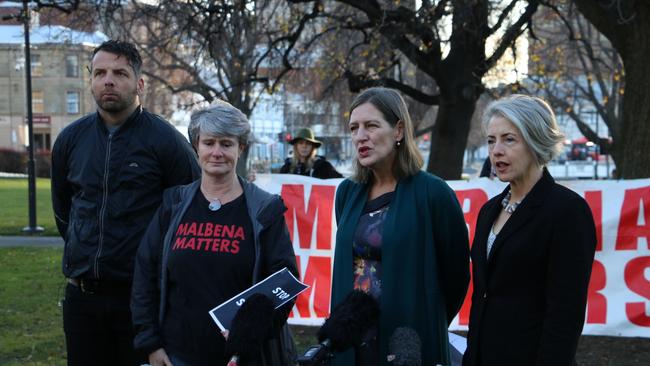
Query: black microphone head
[316, 355]
[350, 321]
[251, 326]
[405, 347]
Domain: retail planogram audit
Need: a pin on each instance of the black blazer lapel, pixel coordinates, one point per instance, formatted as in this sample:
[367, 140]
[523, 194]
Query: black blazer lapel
[483, 227]
[524, 213]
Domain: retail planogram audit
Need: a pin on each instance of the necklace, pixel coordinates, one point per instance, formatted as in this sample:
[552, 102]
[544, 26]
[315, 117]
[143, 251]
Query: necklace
[509, 207]
[214, 205]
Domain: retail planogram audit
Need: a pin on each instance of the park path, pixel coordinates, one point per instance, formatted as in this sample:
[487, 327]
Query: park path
[30, 241]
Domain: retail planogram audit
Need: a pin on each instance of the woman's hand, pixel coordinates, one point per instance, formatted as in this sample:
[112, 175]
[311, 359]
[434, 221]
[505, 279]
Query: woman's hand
[159, 358]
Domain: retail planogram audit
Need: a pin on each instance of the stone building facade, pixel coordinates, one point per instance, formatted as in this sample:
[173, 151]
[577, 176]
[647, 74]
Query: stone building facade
[60, 85]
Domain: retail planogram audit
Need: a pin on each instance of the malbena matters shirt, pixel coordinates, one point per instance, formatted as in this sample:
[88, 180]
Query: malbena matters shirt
[211, 260]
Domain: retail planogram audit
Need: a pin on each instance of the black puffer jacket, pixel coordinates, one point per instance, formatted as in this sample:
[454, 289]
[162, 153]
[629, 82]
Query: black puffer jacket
[107, 186]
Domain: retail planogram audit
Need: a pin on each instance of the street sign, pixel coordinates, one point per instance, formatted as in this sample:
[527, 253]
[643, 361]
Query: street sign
[39, 118]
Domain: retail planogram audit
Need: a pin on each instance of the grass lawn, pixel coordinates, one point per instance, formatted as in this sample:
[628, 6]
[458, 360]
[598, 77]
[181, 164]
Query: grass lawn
[31, 331]
[31, 328]
[14, 211]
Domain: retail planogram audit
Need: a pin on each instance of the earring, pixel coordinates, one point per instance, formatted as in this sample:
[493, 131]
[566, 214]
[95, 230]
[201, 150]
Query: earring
[399, 143]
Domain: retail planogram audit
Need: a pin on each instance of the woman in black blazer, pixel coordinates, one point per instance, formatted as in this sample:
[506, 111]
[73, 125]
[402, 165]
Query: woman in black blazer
[533, 248]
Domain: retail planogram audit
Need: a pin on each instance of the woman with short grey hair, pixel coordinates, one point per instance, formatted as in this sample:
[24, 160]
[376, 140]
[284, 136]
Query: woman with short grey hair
[210, 241]
[533, 247]
[536, 121]
[219, 119]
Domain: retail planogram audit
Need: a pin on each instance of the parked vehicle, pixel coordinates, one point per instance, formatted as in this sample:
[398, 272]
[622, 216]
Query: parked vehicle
[583, 149]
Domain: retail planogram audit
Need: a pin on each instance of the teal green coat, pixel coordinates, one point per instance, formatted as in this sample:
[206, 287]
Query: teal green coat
[425, 261]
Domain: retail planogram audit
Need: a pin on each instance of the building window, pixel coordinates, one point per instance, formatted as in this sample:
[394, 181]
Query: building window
[37, 67]
[37, 102]
[72, 66]
[72, 102]
[42, 141]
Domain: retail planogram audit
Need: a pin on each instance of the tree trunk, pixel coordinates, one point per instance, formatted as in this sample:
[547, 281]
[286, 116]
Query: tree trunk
[625, 24]
[449, 136]
[242, 163]
[243, 104]
[634, 143]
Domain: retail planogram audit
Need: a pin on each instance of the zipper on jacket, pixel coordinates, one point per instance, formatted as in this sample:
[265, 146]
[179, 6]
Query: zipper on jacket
[102, 209]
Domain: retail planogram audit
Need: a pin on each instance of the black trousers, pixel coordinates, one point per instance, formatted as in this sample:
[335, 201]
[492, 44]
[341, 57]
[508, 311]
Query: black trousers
[98, 328]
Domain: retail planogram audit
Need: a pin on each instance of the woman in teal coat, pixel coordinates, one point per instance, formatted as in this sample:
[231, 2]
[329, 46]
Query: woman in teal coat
[401, 234]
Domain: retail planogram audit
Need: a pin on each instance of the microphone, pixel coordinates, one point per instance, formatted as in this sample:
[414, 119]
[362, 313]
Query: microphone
[346, 327]
[350, 321]
[251, 326]
[316, 355]
[405, 348]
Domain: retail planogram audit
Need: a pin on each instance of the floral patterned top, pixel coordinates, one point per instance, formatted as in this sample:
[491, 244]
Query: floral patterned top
[366, 247]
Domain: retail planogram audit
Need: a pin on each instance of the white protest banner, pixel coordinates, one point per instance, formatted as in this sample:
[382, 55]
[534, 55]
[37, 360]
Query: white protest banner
[619, 292]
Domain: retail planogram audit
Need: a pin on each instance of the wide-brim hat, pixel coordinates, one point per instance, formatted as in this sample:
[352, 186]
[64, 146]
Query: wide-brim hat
[306, 134]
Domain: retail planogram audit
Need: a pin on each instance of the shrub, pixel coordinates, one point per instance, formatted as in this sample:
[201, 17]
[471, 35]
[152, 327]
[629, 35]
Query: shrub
[43, 163]
[13, 161]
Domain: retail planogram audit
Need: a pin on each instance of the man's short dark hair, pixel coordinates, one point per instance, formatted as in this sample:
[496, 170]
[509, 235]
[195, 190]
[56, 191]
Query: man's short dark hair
[122, 48]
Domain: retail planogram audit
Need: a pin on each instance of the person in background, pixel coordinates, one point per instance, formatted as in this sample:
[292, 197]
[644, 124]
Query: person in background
[209, 241]
[487, 170]
[533, 248]
[401, 234]
[305, 161]
[109, 170]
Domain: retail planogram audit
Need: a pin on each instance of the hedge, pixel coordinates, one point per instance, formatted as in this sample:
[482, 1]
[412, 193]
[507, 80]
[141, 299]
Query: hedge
[15, 161]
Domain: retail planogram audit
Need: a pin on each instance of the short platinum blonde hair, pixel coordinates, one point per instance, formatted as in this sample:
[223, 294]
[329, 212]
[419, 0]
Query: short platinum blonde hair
[408, 160]
[535, 120]
[219, 119]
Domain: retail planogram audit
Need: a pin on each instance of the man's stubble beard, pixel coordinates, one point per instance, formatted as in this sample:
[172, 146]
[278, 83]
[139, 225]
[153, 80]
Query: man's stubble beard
[120, 105]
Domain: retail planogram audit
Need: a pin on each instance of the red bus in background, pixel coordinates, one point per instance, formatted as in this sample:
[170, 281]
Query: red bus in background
[583, 149]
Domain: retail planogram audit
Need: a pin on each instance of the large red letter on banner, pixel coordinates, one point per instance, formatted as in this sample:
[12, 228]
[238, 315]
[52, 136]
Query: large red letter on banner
[321, 202]
[636, 281]
[463, 314]
[597, 302]
[317, 275]
[476, 197]
[630, 229]
[595, 201]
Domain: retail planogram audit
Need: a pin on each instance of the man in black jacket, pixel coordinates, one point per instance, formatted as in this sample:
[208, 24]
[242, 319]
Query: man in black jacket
[109, 170]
